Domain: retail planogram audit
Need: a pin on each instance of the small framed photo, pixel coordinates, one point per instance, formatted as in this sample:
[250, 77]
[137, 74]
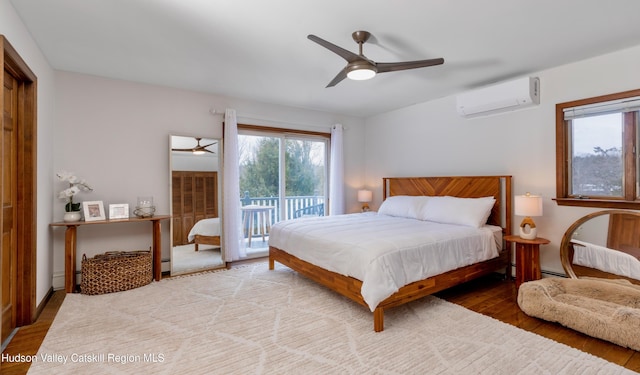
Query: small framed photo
[93, 211]
[119, 211]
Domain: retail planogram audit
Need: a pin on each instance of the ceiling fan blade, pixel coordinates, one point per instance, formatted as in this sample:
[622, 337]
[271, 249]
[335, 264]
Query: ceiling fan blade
[197, 147]
[192, 150]
[345, 54]
[342, 75]
[392, 67]
[201, 149]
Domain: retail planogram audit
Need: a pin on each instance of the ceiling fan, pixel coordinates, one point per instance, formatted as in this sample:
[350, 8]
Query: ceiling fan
[198, 149]
[359, 67]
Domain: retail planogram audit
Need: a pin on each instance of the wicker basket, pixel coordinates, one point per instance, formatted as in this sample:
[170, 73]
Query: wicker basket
[115, 271]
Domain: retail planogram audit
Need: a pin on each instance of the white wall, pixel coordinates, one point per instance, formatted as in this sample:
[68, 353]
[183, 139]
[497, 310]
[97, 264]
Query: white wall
[116, 135]
[15, 32]
[430, 139]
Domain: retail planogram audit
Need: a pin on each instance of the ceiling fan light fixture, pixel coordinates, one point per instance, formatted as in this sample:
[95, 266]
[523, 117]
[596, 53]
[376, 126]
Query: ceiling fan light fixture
[359, 67]
[361, 72]
[198, 152]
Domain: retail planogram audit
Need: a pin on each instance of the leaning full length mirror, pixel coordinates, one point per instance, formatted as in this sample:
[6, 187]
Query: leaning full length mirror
[603, 244]
[195, 204]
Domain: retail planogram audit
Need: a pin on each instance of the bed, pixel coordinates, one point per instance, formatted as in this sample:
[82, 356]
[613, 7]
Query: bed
[205, 232]
[399, 287]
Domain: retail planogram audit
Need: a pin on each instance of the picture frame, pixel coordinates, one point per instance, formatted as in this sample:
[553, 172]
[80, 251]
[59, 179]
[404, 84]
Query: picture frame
[118, 211]
[93, 210]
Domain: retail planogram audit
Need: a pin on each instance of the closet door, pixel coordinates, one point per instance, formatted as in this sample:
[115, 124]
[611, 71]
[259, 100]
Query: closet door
[188, 211]
[205, 195]
[194, 198]
[178, 230]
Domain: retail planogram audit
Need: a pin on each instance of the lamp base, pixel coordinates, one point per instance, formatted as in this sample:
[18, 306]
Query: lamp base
[531, 235]
[528, 230]
[365, 208]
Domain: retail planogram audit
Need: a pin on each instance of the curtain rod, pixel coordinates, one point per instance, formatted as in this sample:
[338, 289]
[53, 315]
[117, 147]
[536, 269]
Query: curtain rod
[216, 112]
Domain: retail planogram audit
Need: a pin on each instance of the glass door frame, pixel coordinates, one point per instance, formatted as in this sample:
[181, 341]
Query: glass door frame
[287, 134]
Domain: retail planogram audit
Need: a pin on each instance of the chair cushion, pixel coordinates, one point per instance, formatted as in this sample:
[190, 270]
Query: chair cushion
[602, 308]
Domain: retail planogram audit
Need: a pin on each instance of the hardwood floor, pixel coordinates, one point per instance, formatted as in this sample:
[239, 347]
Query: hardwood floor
[490, 296]
[496, 298]
[28, 338]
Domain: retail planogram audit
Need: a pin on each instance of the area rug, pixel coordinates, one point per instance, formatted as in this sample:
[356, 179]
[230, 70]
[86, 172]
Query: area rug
[250, 320]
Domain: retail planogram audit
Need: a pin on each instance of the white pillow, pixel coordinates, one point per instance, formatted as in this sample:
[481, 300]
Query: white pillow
[403, 206]
[472, 212]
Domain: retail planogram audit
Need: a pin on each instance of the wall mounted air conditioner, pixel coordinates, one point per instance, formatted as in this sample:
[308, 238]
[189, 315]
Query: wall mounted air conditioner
[501, 97]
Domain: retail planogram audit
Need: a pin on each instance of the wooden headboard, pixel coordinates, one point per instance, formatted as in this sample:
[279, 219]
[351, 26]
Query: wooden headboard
[458, 186]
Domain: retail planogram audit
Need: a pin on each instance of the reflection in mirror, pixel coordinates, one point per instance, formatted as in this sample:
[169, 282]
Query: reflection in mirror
[195, 204]
[603, 244]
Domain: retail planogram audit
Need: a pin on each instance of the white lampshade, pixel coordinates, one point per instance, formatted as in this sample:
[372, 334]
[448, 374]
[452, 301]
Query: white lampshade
[528, 205]
[365, 196]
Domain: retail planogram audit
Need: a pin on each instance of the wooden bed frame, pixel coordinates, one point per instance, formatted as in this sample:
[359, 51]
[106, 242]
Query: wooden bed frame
[206, 240]
[460, 186]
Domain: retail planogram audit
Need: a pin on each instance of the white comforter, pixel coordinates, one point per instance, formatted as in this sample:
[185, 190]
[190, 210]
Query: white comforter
[384, 252]
[606, 259]
[205, 227]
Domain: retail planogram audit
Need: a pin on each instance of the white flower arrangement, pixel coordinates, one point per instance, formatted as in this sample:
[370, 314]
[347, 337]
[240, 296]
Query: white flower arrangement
[76, 185]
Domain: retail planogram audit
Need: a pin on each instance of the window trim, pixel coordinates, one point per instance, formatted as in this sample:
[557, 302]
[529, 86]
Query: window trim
[271, 129]
[562, 159]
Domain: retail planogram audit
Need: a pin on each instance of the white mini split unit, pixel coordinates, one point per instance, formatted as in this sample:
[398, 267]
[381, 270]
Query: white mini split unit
[501, 97]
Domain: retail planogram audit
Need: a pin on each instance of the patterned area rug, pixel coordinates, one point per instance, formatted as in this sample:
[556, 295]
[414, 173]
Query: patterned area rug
[251, 320]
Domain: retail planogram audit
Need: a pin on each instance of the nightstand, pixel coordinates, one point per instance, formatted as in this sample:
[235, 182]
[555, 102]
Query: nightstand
[527, 258]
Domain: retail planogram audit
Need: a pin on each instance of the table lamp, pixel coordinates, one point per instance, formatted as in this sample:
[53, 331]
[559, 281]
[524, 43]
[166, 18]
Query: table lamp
[528, 205]
[364, 197]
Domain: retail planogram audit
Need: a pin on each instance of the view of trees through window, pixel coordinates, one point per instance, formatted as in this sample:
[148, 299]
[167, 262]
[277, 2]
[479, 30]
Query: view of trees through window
[263, 159]
[597, 164]
[259, 169]
[599, 173]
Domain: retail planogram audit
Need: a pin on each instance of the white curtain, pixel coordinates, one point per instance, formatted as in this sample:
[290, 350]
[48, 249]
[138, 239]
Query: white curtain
[336, 173]
[233, 235]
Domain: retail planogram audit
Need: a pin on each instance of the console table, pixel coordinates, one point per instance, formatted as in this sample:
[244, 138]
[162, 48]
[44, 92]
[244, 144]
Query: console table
[70, 238]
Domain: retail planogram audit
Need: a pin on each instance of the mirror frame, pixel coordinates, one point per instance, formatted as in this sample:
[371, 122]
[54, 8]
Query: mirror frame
[220, 206]
[566, 250]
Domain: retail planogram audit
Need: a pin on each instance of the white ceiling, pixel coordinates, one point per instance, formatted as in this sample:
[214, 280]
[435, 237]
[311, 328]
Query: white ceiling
[258, 50]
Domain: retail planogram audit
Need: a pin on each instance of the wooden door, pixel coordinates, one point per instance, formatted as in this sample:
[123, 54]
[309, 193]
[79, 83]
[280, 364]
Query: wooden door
[8, 198]
[195, 197]
[176, 207]
[18, 191]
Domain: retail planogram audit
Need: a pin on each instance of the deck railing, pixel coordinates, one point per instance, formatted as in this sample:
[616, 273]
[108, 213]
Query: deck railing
[295, 206]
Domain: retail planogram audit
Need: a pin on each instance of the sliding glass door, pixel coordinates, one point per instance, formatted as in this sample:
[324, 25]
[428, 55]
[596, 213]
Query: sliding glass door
[305, 188]
[282, 177]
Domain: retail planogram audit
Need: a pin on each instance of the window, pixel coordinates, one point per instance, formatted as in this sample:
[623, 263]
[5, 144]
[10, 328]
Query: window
[285, 170]
[596, 159]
